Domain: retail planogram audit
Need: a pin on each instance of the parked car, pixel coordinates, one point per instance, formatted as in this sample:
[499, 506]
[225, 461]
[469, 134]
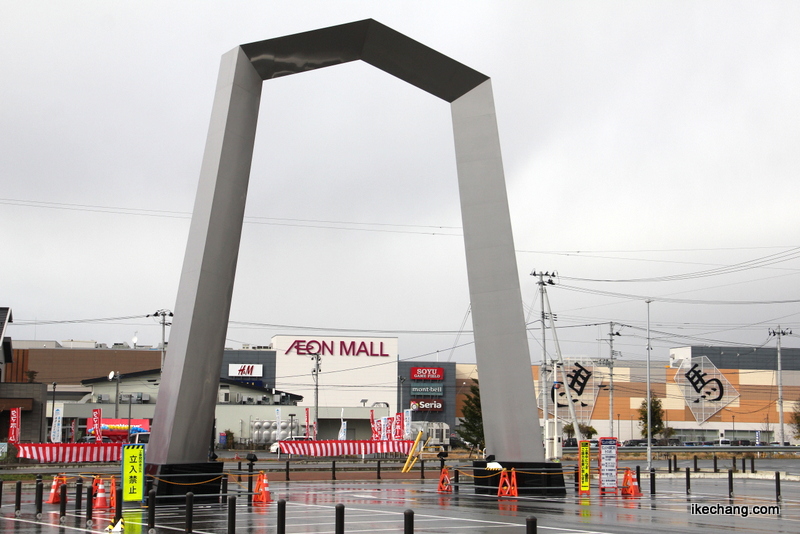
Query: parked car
[91, 439]
[275, 448]
[140, 437]
[571, 442]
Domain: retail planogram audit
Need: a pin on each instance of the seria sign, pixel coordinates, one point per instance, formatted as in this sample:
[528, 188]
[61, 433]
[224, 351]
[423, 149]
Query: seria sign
[427, 405]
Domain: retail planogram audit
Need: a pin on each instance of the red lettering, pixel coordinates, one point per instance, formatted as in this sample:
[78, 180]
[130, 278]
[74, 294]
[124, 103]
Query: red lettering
[327, 347]
[382, 353]
[297, 344]
[362, 349]
[312, 347]
[347, 349]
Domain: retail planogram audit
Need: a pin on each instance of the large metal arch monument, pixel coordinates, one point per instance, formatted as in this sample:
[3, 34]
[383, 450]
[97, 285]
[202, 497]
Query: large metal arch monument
[188, 392]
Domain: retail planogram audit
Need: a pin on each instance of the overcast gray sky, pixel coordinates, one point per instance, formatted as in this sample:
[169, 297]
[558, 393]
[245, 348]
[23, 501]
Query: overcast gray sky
[640, 140]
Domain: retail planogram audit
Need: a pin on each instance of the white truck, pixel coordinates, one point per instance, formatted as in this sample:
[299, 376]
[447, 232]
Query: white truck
[439, 433]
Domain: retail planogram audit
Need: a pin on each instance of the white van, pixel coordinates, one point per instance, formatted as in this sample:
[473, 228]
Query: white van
[724, 442]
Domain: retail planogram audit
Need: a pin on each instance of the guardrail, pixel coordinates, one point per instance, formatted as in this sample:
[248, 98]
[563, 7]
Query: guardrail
[702, 448]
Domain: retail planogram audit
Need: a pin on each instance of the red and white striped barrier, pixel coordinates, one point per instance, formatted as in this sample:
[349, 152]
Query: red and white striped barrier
[344, 448]
[64, 453]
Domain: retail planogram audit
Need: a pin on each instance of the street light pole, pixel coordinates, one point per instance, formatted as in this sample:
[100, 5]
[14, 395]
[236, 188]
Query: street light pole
[53, 411]
[111, 376]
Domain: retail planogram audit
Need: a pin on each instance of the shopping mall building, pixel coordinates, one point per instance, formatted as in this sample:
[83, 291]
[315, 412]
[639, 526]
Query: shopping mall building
[706, 392]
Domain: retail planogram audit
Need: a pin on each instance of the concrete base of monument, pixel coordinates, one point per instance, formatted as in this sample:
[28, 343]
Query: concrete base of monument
[173, 481]
[533, 478]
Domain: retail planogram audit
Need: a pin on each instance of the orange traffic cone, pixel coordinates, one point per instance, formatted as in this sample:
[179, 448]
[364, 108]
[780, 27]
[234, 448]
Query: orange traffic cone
[262, 489]
[629, 485]
[55, 489]
[508, 484]
[100, 499]
[444, 481]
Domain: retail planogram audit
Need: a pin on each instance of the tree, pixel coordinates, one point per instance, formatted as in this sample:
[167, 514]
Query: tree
[587, 431]
[656, 417]
[568, 430]
[794, 419]
[471, 429]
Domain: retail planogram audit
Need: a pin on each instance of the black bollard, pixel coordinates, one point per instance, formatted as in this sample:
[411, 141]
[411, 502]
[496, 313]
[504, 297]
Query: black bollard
[652, 481]
[530, 525]
[118, 510]
[249, 483]
[38, 498]
[333, 470]
[422, 469]
[18, 498]
[752, 464]
[231, 515]
[669, 464]
[716, 469]
[339, 525]
[151, 509]
[441, 464]
[455, 480]
[62, 508]
[224, 488]
[696, 469]
[89, 505]
[287, 470]
[379, 470]
[675, 463]
[78, 494]
[777, 486]
[189, 511]
[281, 516]
[408, 522]
[744, 466]
[688, 481]
[638, 477]
[733, 463]
[577, 478]
[730, 483]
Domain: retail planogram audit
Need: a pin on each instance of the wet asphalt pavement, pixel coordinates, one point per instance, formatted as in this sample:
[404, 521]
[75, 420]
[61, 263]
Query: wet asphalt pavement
[379, 506]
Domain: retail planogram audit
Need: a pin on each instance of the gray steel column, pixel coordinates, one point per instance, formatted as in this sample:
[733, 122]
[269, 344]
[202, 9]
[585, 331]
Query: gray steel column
[190, 379]
[501, 343]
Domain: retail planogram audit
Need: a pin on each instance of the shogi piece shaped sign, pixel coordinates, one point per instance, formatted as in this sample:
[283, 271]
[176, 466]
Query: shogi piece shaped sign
[188, 392]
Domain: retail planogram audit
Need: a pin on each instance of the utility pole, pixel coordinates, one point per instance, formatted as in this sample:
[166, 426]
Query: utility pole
[315, 373]
[649, 428]
[543, 379]
[163, 314]
[778, 333]
[609, 362]
[560, 364]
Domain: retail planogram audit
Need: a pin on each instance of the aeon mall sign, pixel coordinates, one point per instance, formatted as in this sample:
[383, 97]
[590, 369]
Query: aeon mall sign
[335, 346]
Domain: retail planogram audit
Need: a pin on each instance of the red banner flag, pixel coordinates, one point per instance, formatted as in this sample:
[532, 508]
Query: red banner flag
[399, 429]
[97, 416]
[14, 426]
[375, 425]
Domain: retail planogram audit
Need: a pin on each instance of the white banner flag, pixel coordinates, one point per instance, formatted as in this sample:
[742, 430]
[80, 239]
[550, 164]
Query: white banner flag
[55, 432]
